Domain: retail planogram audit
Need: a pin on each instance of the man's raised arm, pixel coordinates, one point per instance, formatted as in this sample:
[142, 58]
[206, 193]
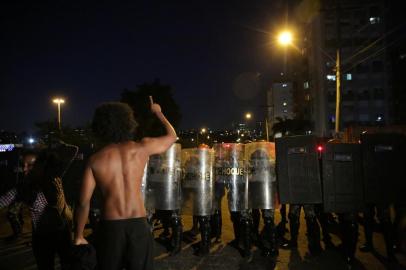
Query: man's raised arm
[160, 144]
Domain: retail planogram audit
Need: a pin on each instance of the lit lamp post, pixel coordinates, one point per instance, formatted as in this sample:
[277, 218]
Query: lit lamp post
[59, 101]
[202, 131]
[285, 39]
[248, 116]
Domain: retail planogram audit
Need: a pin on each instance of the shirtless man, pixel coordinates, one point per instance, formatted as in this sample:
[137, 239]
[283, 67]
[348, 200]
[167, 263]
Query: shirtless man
[123, 238]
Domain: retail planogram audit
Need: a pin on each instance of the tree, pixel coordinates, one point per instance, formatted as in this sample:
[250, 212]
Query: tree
[138, 100]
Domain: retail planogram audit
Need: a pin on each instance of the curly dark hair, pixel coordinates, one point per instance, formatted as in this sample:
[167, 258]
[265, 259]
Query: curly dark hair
[114, 122]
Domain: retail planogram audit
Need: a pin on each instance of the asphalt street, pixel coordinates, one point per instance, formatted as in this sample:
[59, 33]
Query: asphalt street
[18, 254]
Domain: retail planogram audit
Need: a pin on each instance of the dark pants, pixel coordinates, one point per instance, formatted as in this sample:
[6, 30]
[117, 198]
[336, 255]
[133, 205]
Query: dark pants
[383, 214]
[349, 228]
[313, 229]
[124, 243]
[46, 245]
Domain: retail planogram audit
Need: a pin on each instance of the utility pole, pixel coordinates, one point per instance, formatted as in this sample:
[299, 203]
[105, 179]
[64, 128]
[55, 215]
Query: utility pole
[338, 93]
[338, 75]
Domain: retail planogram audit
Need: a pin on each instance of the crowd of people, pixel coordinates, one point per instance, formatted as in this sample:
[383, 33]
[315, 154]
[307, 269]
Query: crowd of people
[123, 234]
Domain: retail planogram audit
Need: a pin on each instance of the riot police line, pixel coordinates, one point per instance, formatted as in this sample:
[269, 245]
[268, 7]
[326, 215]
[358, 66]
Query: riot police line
[344, 179]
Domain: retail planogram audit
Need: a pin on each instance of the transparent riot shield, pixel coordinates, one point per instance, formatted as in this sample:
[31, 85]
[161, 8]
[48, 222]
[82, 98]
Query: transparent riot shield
[260, 167]
[163, 191]
[197, 181]
[230, 173]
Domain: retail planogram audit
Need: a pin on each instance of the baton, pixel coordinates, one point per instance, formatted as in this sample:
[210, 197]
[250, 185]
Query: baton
[151, 100]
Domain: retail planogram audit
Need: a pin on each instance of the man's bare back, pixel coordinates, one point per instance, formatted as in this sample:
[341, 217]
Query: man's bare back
[117, 169]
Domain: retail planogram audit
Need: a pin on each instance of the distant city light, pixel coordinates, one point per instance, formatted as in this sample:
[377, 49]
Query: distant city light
[31, 140]
[284, 104]
[374, 20]
[331, 77]
[6, 147]
[248, 116]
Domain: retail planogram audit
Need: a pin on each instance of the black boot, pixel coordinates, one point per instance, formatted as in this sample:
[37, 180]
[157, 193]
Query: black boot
[270, 235]
[313, 235]
[177, 228]
[349, 227]
[369, 221]
[281, 227]
[255, 226]
[216, 224]
[246, 225]
[388, 236]
[235, 218]
[294, 232]
[204, 222]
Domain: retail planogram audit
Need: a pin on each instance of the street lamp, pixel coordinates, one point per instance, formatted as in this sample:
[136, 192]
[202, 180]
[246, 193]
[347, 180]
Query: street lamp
[202, 131]
[248, 116]
[285, 39]
[59, 101]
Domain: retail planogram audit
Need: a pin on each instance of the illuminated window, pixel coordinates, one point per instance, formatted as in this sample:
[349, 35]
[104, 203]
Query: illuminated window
[374, 20]
[285, 111]
[331, 77]
[348, 76]
[307, 97]
[284, 85]
[306, 85]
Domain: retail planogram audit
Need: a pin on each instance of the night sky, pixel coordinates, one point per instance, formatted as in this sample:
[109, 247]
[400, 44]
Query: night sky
[89, 53]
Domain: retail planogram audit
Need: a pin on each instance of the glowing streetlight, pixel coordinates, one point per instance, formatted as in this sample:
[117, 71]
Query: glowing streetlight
[202, 131]
[285, 38]
[59, 101]
[248, 116]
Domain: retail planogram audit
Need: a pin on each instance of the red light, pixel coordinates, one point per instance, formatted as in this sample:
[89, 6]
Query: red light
[319, 148]
[226, 145]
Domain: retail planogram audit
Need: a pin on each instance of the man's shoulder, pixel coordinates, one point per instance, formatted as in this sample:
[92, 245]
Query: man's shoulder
[104, 152]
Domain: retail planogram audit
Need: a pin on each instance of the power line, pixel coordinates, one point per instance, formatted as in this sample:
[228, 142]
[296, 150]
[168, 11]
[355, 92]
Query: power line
[373, 43]
[377, 53]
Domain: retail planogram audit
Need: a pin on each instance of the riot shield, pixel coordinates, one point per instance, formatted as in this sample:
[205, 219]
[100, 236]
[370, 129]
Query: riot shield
[298, 171]
[144, 185]
[384, 168]
[230, 174]
[260, 169]
[197, 181]
[163, 180]
[342, 178]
